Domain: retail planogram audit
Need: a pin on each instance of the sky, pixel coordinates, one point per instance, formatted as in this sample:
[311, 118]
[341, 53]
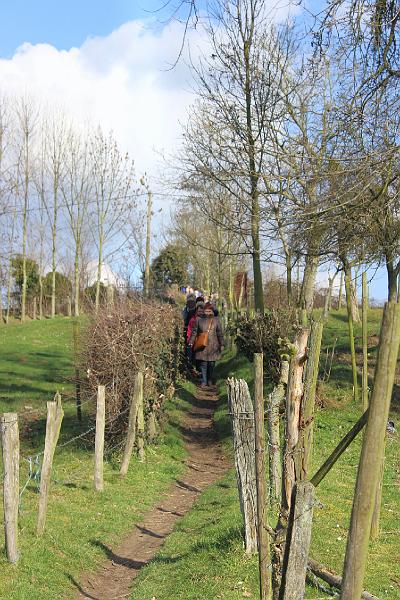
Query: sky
[108, 62]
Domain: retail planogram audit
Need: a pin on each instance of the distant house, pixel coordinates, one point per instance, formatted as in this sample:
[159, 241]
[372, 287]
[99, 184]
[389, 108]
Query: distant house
[107, 276]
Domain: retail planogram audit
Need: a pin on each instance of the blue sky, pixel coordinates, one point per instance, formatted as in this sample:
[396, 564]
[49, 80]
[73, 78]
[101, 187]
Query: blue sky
[65, 24]
[137, 84]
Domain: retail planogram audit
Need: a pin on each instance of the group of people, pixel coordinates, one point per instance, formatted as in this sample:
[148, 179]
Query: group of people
[203, 337]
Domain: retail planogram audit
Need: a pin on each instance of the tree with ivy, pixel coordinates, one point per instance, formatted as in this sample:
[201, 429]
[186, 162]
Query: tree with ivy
[170, 266]
[24, 267]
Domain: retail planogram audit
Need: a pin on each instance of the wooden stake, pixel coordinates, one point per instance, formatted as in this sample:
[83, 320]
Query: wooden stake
[133, 412]
[332, 578]
[371, 454]
[262, 521]
[140, 429]
[299, 545]
[365, 341]
[242, 419]
[99, 442]
[10, 449]
[55, 415]
[338, 451]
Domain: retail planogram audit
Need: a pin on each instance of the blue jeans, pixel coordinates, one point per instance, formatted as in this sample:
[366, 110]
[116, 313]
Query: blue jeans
[207, 369]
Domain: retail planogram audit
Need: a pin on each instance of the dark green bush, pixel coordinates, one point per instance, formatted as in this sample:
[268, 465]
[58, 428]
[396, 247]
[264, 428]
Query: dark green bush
[269, 333]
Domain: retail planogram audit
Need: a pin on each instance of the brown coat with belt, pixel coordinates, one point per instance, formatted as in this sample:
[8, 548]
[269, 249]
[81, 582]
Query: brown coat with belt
[212, 351]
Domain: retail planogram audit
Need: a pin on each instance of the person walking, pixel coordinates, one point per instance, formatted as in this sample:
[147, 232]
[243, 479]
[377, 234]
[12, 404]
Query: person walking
[208, 354]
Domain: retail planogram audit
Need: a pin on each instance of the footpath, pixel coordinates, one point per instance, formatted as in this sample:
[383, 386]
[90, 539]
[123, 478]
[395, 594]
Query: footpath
[205, 463]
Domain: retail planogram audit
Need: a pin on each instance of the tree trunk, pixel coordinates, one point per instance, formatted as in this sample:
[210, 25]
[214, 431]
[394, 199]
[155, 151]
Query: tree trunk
[347, 279]
[354, 302]
[306, 434]
[371, 455]
[24, 274]
[365, 341]
[76, 274]
[289, 287]
[340, 290]
[54, 252]
[308, 284]
[148, 244]
[9, 284]
[99, 265]
[392, 280]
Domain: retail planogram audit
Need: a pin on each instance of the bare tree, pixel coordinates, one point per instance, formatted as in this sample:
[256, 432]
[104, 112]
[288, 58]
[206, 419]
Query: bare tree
[76, 188]
[113, 192]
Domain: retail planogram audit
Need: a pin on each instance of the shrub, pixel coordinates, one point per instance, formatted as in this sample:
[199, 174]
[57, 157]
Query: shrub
[269, 333]
[131, 336]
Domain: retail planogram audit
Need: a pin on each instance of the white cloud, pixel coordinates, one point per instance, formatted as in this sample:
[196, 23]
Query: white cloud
[120, 81]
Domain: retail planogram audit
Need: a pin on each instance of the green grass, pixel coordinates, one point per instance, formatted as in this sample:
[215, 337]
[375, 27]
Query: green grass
[35, 361]
[204, 560]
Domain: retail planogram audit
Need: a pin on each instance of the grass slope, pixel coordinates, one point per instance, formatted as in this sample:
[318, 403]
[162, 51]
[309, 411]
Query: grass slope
[204, 559]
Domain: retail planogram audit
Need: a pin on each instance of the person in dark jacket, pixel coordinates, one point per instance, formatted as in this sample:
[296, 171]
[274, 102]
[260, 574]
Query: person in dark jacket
[211, 353]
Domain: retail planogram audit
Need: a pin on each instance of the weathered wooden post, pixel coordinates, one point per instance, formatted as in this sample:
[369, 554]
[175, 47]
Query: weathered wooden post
[140, 428]
[294, 581]
[55, 415]
[99, 441]
[131, 435]
[10, 450]
[371, 454]
[293, 413]
[365, 341]
[262, 520]
[242, 420]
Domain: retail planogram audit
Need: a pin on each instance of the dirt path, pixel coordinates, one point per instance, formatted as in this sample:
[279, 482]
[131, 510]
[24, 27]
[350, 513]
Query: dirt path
[206, 464]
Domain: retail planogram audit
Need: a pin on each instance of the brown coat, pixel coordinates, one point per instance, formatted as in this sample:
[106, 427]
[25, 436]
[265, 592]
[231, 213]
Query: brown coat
[212, 351]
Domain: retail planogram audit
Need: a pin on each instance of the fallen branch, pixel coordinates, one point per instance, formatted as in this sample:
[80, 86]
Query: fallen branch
[332, 578]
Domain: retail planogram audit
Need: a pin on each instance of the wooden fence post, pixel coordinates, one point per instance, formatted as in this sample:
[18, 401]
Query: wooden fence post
[242, 419]
[365, 341]
[131, 435]
[99, 442]
[55, 415]
[371, 454]
[275, 399]
[10, 450]
[140, 428]
[299, 543]
[262, 520]
[294, 397]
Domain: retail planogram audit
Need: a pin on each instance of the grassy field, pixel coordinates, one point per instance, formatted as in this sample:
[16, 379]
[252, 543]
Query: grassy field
[204, 559]
[35, 361]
